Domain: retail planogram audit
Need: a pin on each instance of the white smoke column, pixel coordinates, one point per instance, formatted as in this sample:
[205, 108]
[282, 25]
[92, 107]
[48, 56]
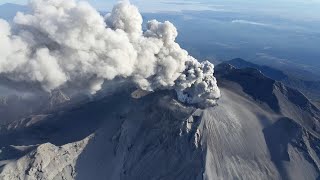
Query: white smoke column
[64, 43]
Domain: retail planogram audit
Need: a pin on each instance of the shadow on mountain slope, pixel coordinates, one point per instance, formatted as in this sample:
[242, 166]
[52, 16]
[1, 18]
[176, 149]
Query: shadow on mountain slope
[311, 88]
[284, 133]
[62, 127]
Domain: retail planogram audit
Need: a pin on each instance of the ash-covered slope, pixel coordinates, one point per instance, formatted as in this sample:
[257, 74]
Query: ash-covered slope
[269, 133]
[281, 99]
[124, 132]
[16, 106]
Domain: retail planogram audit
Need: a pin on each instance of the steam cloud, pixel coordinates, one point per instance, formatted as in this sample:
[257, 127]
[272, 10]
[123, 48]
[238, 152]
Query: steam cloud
[64, 43]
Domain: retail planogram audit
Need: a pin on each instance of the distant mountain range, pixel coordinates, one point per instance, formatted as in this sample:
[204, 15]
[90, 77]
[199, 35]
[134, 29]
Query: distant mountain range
[309, 88]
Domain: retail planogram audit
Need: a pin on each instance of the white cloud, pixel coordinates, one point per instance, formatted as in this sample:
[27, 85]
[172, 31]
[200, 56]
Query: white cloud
[240, 21]
[64, 43]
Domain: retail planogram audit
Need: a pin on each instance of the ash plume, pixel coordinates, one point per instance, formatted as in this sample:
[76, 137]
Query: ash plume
[68, 44]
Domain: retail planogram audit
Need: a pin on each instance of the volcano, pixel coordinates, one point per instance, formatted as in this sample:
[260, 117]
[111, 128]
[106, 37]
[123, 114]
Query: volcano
[260, 129]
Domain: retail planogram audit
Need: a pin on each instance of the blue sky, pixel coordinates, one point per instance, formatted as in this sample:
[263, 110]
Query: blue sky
[144, 5]
[307, 10]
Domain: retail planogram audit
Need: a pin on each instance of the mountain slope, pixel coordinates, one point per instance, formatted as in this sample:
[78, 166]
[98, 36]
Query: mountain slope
[281, 99]
[257, 131]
